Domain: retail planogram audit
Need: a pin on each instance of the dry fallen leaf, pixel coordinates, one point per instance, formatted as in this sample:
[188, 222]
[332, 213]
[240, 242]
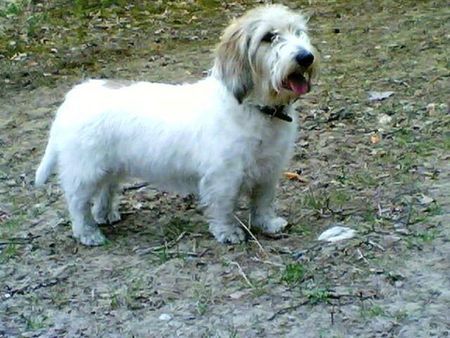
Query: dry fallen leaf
[294, 176]
[375, 138]
[431, 109]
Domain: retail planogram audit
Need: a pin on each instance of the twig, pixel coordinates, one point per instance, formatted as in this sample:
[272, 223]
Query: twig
[256, 259]
[251, 234]
[409, 215]
[332, 312]
[44, 284]
[243, 274]
[19, 240]
[163, 246]
[13, 242]
[352, 298]
[136, 186]
[288, 308]
[361, 256]
[185, 253]
[376, 245]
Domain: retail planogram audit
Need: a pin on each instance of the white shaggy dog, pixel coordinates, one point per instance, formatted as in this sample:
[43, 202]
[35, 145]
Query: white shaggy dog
[228, 134]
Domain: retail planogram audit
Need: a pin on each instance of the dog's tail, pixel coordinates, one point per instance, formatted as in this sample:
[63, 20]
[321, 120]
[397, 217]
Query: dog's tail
[47, 164]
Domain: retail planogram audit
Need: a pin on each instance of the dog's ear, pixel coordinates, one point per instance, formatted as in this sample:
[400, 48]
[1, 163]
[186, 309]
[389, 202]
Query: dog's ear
[232, 65]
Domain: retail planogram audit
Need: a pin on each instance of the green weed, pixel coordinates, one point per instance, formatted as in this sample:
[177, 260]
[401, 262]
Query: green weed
[8, 252]
[293, 274]
[373, 311]
[317, 295]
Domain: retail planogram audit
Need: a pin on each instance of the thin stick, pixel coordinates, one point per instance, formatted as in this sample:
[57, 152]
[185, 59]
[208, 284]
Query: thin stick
[251, 234]
[376, 245]
[163, 246]
[256, 259]
[243, 274]
[288, 308]
[361, 256]
[136, 186]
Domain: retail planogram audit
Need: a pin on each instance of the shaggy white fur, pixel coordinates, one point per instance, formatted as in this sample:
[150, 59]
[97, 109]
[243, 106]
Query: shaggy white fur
[210, 138]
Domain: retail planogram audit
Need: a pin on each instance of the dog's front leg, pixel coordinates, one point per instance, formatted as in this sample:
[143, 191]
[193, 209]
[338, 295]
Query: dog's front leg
[263, 213]
[219, 194]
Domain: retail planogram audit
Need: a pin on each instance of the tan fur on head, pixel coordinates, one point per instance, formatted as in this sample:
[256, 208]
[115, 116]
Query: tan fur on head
[256, 70]
[232, 63]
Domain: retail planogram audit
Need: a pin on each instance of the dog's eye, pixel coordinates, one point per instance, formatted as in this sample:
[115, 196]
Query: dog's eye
[298, 32]
[269, 37]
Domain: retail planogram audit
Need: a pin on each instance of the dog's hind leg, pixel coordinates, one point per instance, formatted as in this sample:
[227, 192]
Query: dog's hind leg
[78, 195]
[219, 196]
[105, 208]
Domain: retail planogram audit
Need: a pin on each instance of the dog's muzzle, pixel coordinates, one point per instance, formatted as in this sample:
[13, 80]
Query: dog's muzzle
[297, 82]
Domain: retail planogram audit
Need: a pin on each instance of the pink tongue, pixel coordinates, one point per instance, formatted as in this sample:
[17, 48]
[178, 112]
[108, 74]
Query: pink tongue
[299, 87]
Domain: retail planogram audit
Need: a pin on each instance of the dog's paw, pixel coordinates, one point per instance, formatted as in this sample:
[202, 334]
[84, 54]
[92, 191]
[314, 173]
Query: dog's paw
[114, 216]
[91, 236]
[272, 225]
[111, 217]
[231, 235]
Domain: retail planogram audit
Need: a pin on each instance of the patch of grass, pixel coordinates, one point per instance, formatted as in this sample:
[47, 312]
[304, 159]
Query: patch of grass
[36, 323]
[426, 236]
[339, 198]
[13, 8]
[372, 312]
[293, 274]
[233, 332]
[60, 298]
[8, 252]
[434, 209]
[319, 201]
[164, 255]
[364, 178]
[317, 295]
[133, 294]
[302, 229]
[203, 298]
[401, 315]
[114, 302]
[11, 225]
[176, 227]
[259, 290]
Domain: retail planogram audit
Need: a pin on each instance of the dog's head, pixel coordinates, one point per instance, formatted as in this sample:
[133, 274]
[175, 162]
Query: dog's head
[266, 56]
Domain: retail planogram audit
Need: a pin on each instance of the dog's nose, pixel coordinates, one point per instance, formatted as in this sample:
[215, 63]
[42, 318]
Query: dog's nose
[304, 58]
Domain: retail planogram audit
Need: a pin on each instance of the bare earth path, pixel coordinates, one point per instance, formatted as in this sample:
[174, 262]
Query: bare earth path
[380, 167]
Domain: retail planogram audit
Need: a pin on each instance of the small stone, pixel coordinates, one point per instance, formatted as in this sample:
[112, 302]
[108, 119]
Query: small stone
[390, 240]
[424, 200]
[379, 96]
[384, 119]
[238, 294]
[165, 317]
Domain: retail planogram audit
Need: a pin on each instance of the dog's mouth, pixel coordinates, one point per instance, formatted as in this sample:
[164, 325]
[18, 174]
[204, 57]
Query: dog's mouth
[297, 83]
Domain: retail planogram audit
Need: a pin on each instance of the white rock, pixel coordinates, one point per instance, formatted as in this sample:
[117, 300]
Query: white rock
[165, 317]
[337, 233]
[424, 200]
[384, 119]
[379, 96]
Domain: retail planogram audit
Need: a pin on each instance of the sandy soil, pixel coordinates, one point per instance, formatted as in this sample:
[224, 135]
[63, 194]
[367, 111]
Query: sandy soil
[379, 167]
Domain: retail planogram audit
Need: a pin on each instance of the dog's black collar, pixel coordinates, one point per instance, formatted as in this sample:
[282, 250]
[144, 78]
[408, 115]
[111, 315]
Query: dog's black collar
[275, 111]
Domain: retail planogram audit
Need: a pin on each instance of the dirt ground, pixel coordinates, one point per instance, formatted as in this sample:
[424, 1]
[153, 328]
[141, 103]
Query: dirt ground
[379, 166]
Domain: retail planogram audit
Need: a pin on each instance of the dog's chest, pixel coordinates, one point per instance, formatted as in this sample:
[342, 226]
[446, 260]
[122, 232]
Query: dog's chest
[268, 151]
